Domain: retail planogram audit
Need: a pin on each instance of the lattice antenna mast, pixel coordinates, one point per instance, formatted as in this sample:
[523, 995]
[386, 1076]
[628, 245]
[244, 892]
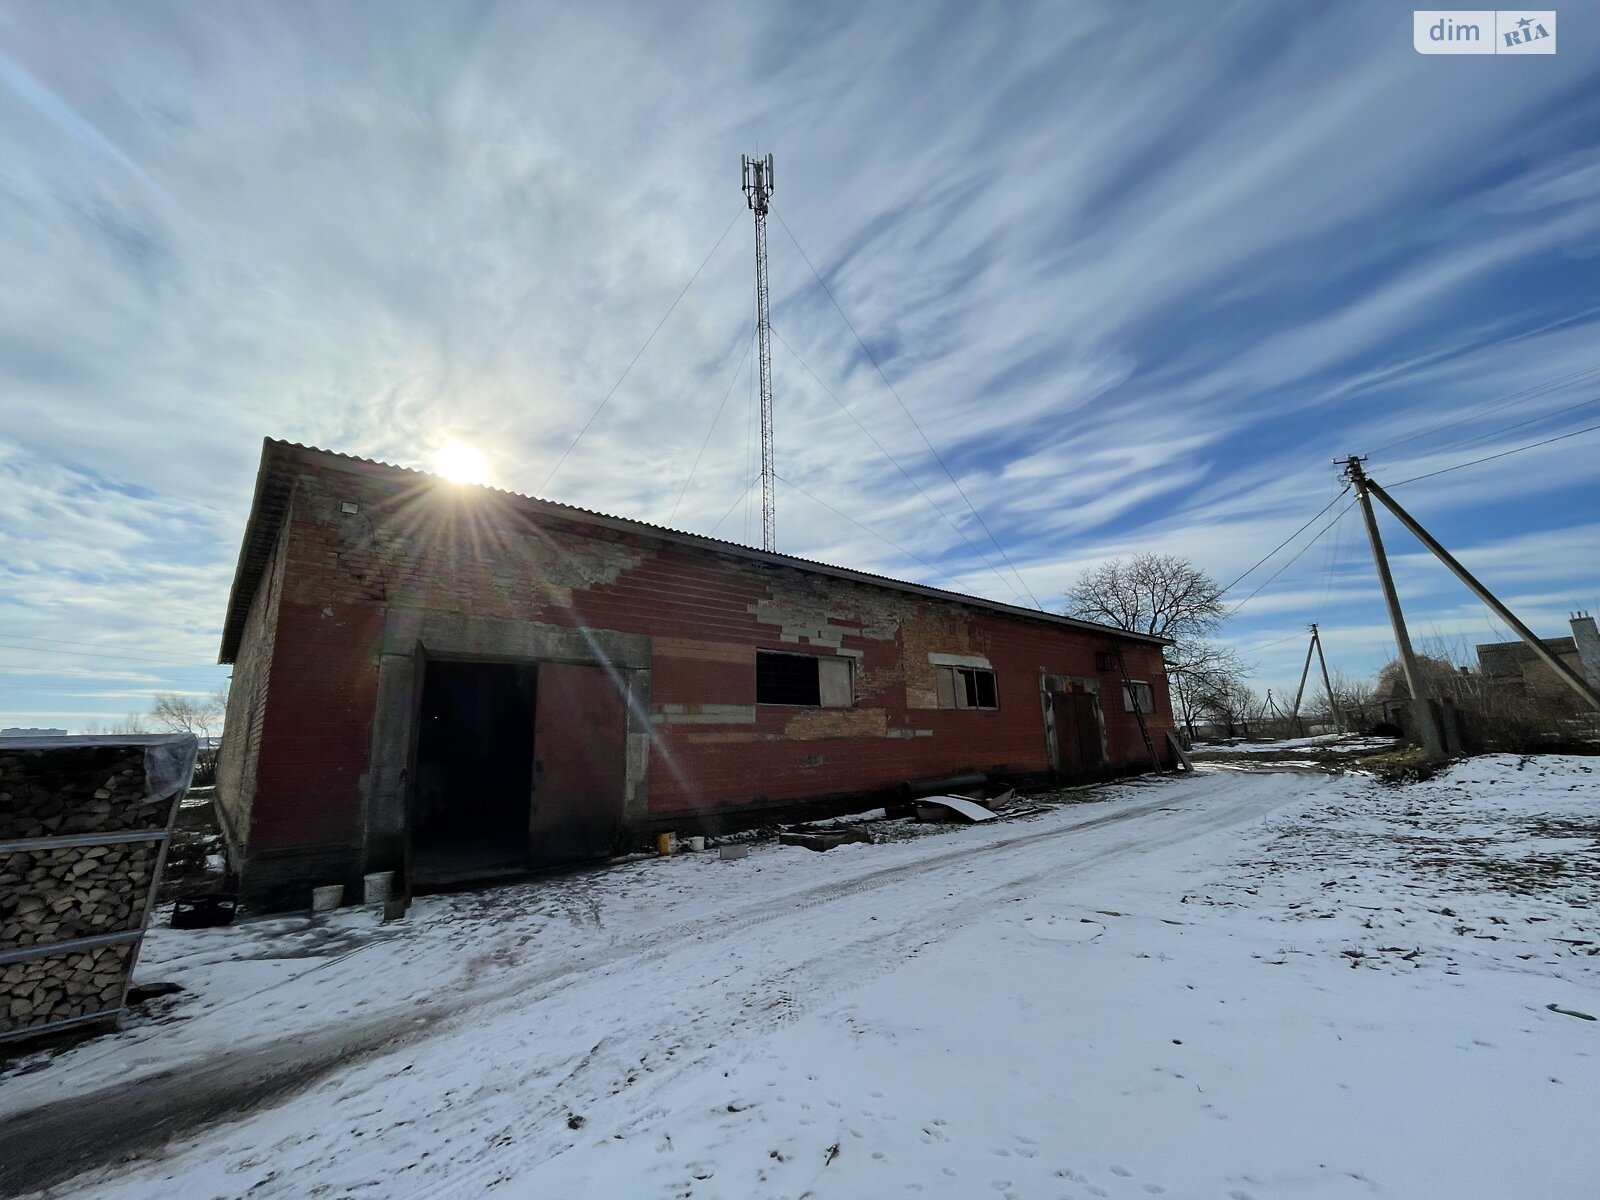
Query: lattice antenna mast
[758, 190]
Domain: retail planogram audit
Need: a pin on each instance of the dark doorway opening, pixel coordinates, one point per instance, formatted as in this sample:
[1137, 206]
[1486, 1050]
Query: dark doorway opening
[474, 771]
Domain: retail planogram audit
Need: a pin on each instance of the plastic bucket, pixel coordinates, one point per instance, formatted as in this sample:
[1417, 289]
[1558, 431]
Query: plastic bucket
[376, 887]
[326, 899]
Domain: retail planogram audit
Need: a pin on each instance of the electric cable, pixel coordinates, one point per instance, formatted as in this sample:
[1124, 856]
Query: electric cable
[750, 442]
[606, 399]
[872, 358]
[868, 529]
[754, 479]
[1293, 560]
[732, 383]
[1293, 637]
[1531, 392]
[1491, 457]
[1251, 570]
[1463, 443]
[148, 662]
[894, 461]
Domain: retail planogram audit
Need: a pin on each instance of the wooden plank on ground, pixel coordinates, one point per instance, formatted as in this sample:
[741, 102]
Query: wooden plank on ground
[1183, 755]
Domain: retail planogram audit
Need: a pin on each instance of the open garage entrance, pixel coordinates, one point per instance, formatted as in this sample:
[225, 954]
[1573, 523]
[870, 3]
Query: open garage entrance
[518, 766]
[472, 799]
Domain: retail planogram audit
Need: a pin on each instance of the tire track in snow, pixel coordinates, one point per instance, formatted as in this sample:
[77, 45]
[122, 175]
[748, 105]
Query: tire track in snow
[826, 972]
[223, 1094]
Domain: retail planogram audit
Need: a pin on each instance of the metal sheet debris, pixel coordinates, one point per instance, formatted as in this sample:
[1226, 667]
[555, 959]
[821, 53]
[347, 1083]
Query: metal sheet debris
[970, 810]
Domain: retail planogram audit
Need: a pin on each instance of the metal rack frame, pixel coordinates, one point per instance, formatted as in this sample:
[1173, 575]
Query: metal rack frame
[133, 936]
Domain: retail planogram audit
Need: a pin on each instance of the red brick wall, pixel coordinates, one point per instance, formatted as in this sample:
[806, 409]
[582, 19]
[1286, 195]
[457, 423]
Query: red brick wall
[314, 748]
[477, 553]
[240, 753]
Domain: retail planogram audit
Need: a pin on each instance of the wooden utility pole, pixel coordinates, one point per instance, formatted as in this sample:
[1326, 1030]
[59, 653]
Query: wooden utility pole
[1333, 704]
[1421, 695]
[1563, 672]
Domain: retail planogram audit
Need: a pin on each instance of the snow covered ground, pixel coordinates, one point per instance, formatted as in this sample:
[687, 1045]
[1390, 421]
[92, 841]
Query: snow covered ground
[1235, 985]
[1342, 742]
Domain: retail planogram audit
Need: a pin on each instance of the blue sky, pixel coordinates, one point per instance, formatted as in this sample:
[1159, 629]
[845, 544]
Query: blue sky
[1140, 271]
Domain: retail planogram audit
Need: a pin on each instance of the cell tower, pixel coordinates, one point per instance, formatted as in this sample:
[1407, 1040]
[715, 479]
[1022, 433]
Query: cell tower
[758, 189]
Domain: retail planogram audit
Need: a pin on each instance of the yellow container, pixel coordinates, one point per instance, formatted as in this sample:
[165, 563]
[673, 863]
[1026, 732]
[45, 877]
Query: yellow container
[666, 843]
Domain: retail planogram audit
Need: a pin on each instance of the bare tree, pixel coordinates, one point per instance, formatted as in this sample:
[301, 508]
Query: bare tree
[1168, 596]
[174, 712]
[1198, 670]
[132, 723]
[1149, 593]
[1356, 699]
[1235, 706]
[1442, 676]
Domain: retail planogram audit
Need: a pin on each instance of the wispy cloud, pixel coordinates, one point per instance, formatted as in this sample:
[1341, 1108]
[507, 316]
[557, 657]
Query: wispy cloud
[1140, 272]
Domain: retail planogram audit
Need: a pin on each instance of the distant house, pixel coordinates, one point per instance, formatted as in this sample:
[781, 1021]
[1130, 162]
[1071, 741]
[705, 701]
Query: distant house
[456, 681]
[1515, 666]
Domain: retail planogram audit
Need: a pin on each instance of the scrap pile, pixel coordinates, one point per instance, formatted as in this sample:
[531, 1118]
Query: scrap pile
[968, 797]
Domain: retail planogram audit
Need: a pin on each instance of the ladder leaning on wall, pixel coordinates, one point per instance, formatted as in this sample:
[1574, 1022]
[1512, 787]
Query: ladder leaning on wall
[1138, 714]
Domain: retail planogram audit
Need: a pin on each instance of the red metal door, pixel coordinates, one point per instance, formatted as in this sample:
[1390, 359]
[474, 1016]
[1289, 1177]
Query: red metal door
[580, 744]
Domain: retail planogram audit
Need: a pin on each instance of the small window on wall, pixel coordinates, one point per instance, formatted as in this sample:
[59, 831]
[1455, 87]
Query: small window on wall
[966, 687]
[1137, 691]
[806, 680]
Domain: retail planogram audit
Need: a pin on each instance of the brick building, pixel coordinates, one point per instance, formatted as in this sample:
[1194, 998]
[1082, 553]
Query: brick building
[1514, 665]
[453, 680]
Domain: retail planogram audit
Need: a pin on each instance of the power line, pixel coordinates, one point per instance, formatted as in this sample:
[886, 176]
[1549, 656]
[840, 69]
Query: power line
[607, 398]
[1297, 554]
[149, 662]
[896, 462]
[868, 529]
[1283, 543]
[1331, 566]
[76, 643]
[1293, 637]
[903, 408]
[732, 383]
[1503, 454]
[1456, 419]
[1462, 443]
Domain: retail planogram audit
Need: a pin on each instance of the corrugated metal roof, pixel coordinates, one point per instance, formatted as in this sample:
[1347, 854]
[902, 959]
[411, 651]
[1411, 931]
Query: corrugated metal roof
[275, 488]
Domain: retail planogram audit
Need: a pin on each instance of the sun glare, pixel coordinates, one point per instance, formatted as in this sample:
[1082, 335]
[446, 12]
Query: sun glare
[461, 463]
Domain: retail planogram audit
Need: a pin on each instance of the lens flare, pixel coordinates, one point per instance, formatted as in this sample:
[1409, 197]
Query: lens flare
[461, 463]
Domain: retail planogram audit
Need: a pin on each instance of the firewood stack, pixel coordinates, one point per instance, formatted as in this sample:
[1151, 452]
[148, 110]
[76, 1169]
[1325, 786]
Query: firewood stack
[82, 789]
[83, 824]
